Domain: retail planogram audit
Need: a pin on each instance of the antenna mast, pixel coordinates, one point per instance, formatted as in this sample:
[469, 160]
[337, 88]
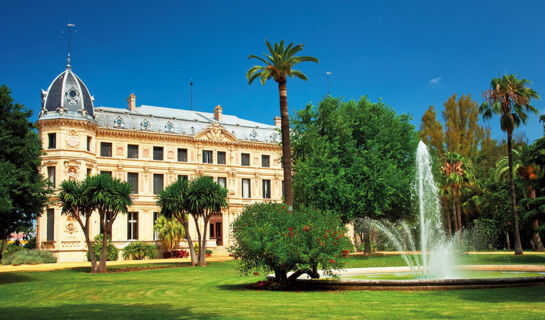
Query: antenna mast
[69, 28]
[191, 94]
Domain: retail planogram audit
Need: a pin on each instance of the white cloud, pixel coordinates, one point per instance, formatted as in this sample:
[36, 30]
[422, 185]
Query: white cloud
[435, 80]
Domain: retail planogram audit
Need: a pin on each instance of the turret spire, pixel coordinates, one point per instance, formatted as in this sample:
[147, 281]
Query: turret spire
[69, 28]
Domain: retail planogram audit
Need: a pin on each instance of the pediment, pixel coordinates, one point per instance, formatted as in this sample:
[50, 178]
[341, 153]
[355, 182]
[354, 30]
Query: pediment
[215, 132]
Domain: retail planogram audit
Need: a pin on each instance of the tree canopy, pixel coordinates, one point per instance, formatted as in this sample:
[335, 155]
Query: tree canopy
[355, 158]
[23, 190]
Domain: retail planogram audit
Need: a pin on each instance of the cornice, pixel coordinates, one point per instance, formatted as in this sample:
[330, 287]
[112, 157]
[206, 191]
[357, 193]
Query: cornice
[65, 122]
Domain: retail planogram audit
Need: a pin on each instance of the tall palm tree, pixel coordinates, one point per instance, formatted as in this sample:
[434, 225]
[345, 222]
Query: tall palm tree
[457, 175]
[110, 197]
[510, 98]
[75, 202]
[173, 203]
[205, 199]
[526, 168]
[278, 65]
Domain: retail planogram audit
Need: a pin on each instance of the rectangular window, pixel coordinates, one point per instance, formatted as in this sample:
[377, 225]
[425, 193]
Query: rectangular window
[266, 189]
[51, 176]
[89, 172]
[109, 173]
[89, 143]
[182, 155]
[221, 157]
[246, 189]
[50, 225]
[212, 233]
[265, 161]
[245, 159]
[52, 137]
[132, 226]
[155, 233]
[132, 151]
[183, 177]
[157, 153]
[222, 181]
[108, 219]
[207, 156]
[132, 178]
[105, 149]
[157, 183]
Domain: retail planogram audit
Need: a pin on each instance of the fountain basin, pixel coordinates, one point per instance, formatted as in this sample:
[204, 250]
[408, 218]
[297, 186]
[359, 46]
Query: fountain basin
[513, 276]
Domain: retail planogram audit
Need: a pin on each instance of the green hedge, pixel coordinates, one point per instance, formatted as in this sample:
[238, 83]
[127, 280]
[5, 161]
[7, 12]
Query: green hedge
[26, 256]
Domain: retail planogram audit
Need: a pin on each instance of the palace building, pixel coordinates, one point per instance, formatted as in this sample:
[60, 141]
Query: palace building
[150, 147]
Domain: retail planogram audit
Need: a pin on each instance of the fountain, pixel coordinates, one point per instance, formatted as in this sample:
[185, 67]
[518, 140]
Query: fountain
[434, 267]
[437, 257]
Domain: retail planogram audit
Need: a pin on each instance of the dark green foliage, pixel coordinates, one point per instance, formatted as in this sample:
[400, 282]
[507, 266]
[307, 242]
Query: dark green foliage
[23, 191]
[112, 253]
[139, 250]
[31, 244]
[270, 238]
[26, 256]
[354, 158]
[11, 248]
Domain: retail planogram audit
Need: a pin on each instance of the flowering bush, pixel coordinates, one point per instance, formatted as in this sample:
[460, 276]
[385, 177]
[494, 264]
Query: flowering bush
[269, 238]
[176, 254]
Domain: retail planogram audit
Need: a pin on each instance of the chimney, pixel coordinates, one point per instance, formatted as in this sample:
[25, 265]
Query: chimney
[278, 122]
[132, 102]
[217, 112]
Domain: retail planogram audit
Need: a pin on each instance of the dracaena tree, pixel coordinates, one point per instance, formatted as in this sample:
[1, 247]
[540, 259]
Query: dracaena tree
[75, 202]
[205, 199]
[510, 98]
[278, 65]
[110, 197]
[173, 203]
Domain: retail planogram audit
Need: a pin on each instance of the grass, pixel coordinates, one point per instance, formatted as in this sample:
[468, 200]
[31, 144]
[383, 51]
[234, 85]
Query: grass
[218, 291]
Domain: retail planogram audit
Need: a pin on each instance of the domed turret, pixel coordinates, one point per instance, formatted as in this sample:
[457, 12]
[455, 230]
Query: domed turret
[67, 96]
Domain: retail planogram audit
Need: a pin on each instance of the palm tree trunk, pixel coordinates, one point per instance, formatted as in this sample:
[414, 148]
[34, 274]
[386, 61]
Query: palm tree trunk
[459, 210]
[454, 216]
[447, 213]
[518, 245]
[189, 242]
[536, 239]
[286, 144]
[85, 228]
[507, 239]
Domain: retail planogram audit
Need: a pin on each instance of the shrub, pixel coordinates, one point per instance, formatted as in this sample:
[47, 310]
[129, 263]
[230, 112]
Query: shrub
[139, 250]
[10, 249]
[270, 238]
[208, 252]
[31, 244]
[170, 232]
[111, 251]
[176, 254]
[26, 256]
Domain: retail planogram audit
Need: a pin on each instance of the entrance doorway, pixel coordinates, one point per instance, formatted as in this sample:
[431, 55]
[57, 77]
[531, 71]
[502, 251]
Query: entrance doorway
[216, 230]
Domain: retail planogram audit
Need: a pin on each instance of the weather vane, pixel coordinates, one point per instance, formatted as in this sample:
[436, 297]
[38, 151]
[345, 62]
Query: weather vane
[69, 28]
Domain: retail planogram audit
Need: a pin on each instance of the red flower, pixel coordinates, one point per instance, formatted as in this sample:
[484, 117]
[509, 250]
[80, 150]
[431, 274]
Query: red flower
[284, 207]
[317, 239]
[325, 236]
[291, 228]
[328, 231]
[332, 261]
[256, 273]
[335, 242]
[315, 210]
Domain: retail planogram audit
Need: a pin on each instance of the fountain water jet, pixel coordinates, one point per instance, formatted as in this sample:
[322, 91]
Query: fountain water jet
[437, 257]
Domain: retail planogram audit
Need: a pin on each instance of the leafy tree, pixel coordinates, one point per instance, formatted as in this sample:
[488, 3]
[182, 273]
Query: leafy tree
[110, 197]
[510, 98]
[463, 134]
[270, 238]
[139, 250]
[354, 158]
[205, 199]
[76, 203]
[431, 132]
[170, 232]
[23, 190]
[173, 203]
[278, 65]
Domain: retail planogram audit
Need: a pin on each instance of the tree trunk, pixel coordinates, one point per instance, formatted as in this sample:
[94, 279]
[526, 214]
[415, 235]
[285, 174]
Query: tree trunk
[2, 247]
[189, 242]
[281, 277]
[508, 240]
[518, 245]
[536, 239]
[367, 239]
[286, 144]
[85, 228]
[102, 263]
[459, 211]
[202, 247]
[454, 216]
[447, 213]
[199, 237]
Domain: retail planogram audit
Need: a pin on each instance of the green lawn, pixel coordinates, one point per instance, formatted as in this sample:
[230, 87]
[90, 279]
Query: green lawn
[217, 291]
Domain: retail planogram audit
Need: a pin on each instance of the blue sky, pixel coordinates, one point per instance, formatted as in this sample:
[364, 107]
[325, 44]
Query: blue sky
[412, 54]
